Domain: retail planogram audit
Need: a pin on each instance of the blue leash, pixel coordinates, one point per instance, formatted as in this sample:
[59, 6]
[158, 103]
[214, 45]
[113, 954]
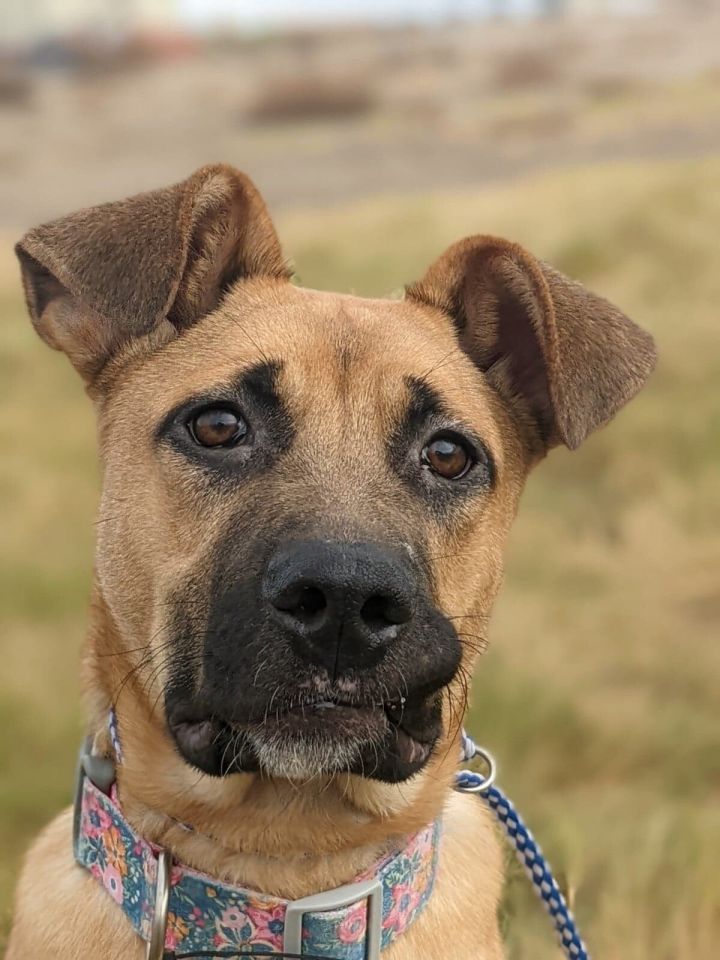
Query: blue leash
[527, 850]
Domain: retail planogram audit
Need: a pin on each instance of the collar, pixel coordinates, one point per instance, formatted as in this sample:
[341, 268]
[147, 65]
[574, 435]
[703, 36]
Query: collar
[178, 910]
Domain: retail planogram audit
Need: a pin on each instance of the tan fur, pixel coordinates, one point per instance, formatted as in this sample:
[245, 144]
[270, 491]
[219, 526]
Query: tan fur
[344, 364]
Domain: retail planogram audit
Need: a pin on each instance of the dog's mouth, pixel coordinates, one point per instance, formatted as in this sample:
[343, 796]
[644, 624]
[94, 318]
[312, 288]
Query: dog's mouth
[363, 721]
[384, 740]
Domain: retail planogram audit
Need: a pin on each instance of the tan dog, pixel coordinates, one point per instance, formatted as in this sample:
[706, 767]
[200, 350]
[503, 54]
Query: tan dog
[304, 504]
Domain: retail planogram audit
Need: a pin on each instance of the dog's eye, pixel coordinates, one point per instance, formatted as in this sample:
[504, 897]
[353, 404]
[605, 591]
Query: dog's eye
[447, 456]
[218, 427]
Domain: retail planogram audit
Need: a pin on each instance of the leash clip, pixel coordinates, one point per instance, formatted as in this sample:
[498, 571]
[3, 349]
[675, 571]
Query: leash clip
[345, 896]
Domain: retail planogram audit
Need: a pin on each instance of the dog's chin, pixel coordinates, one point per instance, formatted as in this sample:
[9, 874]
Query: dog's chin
[314, 740]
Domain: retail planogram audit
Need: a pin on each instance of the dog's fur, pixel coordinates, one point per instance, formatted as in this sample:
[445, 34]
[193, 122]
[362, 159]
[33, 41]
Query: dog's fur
[175, 295]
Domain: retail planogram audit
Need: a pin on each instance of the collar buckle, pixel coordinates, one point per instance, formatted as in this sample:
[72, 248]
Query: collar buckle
[345, 896]
[99, 770]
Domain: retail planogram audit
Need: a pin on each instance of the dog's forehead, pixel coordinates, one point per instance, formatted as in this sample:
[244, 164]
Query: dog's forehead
[312, 330]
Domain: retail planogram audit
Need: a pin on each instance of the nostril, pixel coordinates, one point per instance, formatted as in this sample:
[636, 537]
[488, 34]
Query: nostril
[381, 611]
[304, 603]
[311, 601]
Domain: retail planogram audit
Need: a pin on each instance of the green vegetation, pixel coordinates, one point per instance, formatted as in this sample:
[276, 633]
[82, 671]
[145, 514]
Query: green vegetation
[599, 690]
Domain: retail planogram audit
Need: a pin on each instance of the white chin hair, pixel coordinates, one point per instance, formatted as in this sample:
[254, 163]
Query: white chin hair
[290, 758]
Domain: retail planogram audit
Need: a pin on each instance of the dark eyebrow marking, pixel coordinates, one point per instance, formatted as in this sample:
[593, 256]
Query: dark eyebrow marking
[260, 384]
[424, 402]
[258, 387]
[254, 389]
[426, 410]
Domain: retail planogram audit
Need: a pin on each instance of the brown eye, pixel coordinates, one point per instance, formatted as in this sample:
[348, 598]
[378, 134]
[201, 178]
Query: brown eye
[218, 427]
[448, 457]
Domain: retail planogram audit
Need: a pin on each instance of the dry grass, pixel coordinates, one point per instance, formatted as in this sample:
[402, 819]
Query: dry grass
[300, 100]
[599, 692]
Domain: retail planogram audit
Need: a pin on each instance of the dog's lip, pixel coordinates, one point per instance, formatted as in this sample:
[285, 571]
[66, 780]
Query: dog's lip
[349, 719]
[337, 708]
[326, 709]
[327, 718]
[331, 703]
[204, 725]
[201, 733]
[198, 733]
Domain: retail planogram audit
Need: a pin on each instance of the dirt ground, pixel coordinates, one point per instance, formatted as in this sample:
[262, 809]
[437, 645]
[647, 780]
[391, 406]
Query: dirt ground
[324, 117]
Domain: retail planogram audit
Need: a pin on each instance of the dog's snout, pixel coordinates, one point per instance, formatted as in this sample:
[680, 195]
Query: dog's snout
[341, 603]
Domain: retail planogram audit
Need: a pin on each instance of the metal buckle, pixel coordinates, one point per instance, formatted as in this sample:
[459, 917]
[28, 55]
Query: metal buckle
[99, 770]
[156, 946]
[345, 896]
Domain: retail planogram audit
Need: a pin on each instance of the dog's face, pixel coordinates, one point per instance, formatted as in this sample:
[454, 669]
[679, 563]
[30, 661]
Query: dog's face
[312, 491]
[306, 495]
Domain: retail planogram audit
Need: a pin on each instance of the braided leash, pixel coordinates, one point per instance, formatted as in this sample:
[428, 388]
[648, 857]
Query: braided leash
[526, 848]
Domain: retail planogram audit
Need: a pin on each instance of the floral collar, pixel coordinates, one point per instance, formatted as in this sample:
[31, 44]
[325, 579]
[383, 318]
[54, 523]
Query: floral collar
[354, 922]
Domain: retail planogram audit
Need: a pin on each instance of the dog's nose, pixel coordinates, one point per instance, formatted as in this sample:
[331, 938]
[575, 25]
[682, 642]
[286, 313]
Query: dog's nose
[341, 603]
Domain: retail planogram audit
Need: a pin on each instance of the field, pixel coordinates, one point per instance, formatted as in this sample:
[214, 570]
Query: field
[599, 690]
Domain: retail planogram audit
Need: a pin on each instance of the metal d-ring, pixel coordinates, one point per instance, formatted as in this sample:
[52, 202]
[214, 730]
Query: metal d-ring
[469, 782]
[489, 760]
[158, 927]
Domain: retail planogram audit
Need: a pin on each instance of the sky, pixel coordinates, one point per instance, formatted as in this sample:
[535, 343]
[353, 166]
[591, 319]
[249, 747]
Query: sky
[274, 11]
[46, 17]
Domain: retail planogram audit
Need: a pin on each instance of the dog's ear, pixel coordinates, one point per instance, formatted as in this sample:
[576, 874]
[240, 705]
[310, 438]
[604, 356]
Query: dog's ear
[564, 358]
[96, 279]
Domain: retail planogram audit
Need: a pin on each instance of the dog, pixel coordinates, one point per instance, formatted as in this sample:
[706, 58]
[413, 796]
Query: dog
[305, 499]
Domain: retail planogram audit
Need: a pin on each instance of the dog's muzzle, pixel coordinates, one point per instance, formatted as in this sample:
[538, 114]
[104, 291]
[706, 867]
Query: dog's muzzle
[326, 656]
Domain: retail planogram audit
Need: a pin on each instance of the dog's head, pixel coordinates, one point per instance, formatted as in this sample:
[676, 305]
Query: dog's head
[305, 495]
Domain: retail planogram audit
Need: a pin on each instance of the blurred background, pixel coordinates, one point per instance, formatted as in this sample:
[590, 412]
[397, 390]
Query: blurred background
[380, 132]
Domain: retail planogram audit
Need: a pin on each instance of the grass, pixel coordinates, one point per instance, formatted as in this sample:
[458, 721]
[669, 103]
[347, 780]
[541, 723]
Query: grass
[599, 691]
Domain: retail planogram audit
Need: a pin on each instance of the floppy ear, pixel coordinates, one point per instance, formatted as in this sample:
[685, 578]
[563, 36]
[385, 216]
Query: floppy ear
[98, 278]
[564, 358]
